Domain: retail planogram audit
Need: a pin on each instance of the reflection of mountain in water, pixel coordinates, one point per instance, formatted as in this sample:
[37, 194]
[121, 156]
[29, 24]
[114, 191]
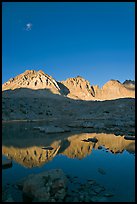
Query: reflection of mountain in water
[30, 157]
[81, 149]
[28, 150]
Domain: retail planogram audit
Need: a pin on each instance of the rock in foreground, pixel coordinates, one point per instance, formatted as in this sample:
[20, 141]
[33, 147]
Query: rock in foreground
[6, 164]
[48, 186]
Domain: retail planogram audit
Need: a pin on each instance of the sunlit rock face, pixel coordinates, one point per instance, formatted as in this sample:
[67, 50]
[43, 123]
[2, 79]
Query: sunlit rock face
[79, 88]
[80, 149]
[113, 89]
[30, 157]
[24, 152]
[75, 88]
[34, 80]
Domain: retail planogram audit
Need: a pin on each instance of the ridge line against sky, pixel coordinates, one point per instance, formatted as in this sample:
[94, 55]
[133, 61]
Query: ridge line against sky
[93, 40]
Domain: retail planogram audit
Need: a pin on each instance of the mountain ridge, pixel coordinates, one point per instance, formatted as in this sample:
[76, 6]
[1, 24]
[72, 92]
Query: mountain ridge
[75, 87]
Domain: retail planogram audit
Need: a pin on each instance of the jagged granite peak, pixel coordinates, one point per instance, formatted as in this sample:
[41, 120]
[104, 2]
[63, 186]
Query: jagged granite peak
[75, 88]
[112, 83]
[79, 87]
[32, 79]
[130, 84]
[113, 89]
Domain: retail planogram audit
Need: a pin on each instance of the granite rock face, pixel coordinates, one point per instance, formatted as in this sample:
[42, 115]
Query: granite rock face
[75, 88]
[129, 84]
[113, 89]
[32, 79]
[79, 88]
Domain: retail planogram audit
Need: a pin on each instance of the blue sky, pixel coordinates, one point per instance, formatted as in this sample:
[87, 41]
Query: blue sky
[93, 40]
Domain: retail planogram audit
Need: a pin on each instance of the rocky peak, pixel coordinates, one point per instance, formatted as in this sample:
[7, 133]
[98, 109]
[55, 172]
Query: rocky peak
[76, 88]
[78, 82]
[129, 84]
[32, 79]
[112, 83]
[79, 87]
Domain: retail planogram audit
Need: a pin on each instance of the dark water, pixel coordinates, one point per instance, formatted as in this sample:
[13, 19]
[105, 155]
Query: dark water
[113, 166]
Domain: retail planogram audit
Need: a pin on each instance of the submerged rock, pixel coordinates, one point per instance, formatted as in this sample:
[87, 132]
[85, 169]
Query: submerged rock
[98, 189]
[48, 148]
[127, 137]
[102, 199]
[46, 186]
[108, 195]
[51, 129]
[101, 171]
[10, 199]
[94, 139]
[53, 186]
[6, 164]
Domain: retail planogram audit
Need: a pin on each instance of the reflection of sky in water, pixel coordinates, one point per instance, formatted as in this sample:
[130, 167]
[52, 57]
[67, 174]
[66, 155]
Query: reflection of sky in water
[119, 168]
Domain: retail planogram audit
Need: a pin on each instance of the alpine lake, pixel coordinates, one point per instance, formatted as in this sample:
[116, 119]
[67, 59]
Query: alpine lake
[101, 170]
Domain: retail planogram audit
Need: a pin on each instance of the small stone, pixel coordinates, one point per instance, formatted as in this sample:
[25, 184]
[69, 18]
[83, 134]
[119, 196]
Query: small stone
[98, 189]
[81, 197]
[91, 182]
[9, 199]
[68, 199]
[127, 137]
[36, 128]
[99, 147]
[53, 200]
[109, 195]
[87, 199]
[48, 148]
[6, 163]
[93, 193]
[102, 199]
[75, 200]
[94, 139]
[101, 171]
[93, 199]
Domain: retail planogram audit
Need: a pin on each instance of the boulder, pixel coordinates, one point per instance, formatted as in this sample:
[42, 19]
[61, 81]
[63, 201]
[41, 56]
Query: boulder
[94, 139]
[101, 171]
[51, 129]
[6, 163]
[127, 137]
[48, 148]
[46, 186]
[99, 147]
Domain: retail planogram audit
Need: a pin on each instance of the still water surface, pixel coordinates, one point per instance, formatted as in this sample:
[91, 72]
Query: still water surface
[113, 165]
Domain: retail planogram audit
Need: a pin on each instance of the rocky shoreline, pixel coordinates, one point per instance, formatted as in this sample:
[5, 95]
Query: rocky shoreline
[32, 117]
[115, 116]
[54, 186]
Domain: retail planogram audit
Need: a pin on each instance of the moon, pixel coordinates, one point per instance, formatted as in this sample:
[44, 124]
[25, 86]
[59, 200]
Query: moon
[28, 26]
